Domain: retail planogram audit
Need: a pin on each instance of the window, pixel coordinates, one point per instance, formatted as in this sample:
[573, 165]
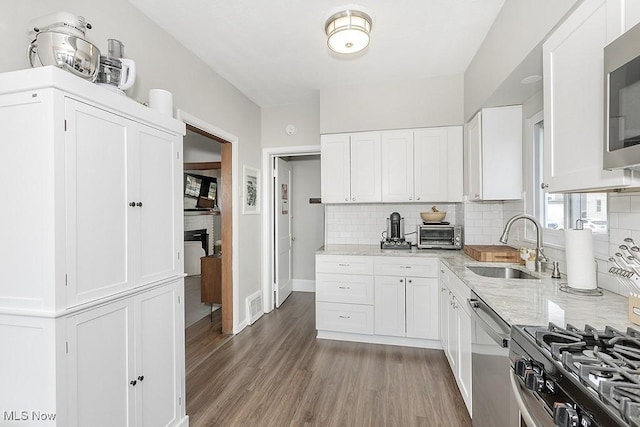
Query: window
[559, 211]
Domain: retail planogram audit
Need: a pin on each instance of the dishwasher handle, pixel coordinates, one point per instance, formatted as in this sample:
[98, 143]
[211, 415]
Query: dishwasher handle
[481, 311]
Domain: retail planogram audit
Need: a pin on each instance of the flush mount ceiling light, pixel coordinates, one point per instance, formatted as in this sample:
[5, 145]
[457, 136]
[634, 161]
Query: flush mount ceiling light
[348, 31]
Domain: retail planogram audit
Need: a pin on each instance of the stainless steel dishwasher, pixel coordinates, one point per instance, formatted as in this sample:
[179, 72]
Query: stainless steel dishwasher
[493, 402]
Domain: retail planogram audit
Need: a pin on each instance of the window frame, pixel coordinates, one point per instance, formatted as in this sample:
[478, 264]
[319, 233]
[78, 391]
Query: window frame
[552, 237]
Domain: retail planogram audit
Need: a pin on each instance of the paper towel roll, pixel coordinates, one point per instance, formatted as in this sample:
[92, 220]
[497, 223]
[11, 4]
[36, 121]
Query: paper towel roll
[581, 269]
[161, 100]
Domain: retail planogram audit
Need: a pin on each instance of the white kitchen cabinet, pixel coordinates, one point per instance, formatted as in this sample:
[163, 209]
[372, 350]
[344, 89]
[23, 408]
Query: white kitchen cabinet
[574, 99]
[455, 334]
[390, 300]
[102, 302]
[350, 168]
[397, 168]
[136, 367]
[422, 314]
[344, 294]
[126, 213]
[422, 165]
[389, 307]
[406, 297]
[494, 154]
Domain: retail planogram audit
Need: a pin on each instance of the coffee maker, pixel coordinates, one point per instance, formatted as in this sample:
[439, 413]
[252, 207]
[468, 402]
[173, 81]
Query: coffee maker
[395, 233]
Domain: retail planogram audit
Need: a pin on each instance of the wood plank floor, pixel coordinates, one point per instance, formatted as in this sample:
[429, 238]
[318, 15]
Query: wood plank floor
[276, 373]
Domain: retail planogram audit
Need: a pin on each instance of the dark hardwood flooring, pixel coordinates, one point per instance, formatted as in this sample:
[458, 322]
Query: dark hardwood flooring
[276, 373]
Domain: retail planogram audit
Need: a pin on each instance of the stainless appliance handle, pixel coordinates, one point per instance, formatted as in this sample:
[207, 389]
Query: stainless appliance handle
[522, 407]
[480, 310]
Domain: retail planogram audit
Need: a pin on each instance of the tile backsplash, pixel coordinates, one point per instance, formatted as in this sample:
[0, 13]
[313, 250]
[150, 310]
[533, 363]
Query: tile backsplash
[363, 224]
[483, 224]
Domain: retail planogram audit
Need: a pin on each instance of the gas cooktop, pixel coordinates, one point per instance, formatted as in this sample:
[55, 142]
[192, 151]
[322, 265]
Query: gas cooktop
[588, 375]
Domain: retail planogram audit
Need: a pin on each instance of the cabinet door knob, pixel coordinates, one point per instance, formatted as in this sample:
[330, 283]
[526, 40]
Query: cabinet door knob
[132, 204]
[543, 185]
[410, 281]
[353, 200]
[410, 198]
[139, 204]
[346, 199]
[417, 198]
[141, 377]
[133, 382]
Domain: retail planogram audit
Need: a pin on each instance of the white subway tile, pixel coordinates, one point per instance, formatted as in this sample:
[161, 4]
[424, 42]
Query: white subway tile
[619, 203]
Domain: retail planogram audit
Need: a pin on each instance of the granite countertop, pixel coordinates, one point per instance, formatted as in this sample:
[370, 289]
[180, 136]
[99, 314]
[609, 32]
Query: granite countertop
[517, 301]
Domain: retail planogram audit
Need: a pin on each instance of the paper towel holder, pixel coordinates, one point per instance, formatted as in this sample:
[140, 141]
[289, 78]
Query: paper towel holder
[579, 224]
[564, 287]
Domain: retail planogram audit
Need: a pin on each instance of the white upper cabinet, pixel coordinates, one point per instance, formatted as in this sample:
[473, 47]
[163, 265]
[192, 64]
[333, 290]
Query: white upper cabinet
[574, 97]
[366, 160]
[397, 168]
[494, 154]
[121, 176]
[438, 164]
[350, 168]
[420, 165]
[335, 168]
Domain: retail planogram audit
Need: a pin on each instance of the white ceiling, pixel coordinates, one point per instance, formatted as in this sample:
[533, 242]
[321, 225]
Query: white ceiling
[274, 51]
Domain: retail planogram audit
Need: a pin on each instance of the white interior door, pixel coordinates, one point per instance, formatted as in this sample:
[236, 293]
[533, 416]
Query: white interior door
[282, 216]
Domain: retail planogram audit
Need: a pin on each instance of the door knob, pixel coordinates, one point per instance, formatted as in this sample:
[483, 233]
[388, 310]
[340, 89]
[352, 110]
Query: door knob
[543, 185]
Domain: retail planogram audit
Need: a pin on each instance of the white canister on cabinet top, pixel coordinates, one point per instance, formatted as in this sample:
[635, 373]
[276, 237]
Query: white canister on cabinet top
[162, 101]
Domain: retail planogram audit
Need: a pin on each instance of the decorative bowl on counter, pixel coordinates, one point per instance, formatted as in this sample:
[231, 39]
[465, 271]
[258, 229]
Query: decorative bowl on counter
[432, 216]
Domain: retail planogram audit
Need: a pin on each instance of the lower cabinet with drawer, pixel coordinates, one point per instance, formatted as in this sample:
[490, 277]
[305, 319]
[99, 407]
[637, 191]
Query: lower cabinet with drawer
[377, 299]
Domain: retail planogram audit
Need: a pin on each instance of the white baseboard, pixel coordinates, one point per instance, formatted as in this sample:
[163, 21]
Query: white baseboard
[379, 339]
[300, 285]
[241, 326]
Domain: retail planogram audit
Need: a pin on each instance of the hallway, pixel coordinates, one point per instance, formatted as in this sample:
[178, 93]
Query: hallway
[276, 373]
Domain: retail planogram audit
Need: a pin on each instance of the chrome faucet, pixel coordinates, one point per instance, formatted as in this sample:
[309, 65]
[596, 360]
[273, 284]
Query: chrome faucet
[540, 256]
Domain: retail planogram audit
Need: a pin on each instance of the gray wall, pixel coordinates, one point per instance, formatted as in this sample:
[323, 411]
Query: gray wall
[305, 117]
[520, 26]
[428, 102]
[162, 63]
[307, 221]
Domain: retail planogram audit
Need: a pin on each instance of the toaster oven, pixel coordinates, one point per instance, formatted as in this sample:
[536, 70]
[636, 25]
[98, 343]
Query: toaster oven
[439, 236]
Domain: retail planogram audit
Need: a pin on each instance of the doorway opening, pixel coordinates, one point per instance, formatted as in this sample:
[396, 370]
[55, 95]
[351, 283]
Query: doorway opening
[214, 163]
[293, 226]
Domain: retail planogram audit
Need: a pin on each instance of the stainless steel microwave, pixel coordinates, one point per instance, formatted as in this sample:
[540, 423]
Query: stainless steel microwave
[439, 236]
[622, 101]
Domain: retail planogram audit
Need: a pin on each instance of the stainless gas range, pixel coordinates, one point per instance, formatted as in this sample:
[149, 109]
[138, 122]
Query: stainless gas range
[576, 377]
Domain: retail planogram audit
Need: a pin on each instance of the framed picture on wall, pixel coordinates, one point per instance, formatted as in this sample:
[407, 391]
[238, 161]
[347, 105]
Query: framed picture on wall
[250, 190]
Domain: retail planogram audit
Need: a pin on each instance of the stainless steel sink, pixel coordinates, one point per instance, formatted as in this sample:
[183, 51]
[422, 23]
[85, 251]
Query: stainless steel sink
[501, 272]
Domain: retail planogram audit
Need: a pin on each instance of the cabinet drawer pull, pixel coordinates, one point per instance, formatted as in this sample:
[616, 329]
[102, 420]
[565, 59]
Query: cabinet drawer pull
[132, 204]
[133, 382]
[343, 265]
[344, 287]
[344, 317]
[139, 204]
[141, 378]
[405, 266]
